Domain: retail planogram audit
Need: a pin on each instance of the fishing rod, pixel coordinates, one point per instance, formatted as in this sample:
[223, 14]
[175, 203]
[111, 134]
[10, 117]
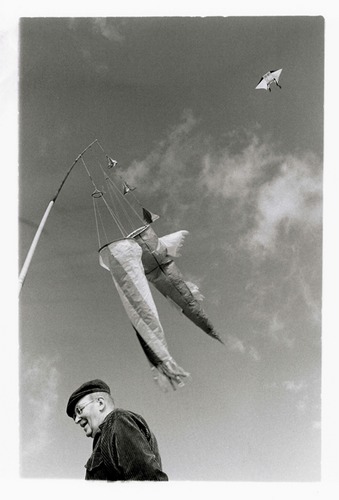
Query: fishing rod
[33, 246]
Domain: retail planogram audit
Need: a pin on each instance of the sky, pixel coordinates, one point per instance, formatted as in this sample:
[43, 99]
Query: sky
[174, 101]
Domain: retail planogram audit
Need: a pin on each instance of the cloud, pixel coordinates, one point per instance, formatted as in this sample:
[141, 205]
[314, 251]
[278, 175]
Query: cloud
[108, 28]
[254, 353]
[299, 392]
[169, 171]
[277, 331]
[292, 386]
[235, 344]
[293, 197]
[302, 404]
[266, 188]
[170, 157]
[233, 171]
[313, 305]
[40, 388]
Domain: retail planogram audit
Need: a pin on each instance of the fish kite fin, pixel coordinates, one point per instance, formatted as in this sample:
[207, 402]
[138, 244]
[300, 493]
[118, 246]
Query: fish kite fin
[174, 242]
[110, 162]
[148, 216]
[127, 188]
[195, 291]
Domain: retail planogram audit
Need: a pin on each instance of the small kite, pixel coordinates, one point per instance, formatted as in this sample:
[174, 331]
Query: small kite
[269, 78]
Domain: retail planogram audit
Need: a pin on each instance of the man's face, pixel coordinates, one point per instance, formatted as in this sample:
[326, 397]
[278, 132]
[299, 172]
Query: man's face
[90, 416]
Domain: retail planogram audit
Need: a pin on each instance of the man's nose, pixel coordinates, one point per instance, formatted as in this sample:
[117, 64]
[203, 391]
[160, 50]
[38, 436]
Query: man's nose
[77, 418]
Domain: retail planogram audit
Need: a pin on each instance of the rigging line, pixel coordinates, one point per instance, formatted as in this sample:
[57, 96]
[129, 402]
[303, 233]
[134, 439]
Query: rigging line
[110, 180]
[108, 177]
[102, 149]
[113, 210]
[98, 212]
[122, 196]
[116, 220]
[71, 168]
[103, 226]
[110, 193]
[96, 221]
[120, 199]
[88, 173]
[118, 223]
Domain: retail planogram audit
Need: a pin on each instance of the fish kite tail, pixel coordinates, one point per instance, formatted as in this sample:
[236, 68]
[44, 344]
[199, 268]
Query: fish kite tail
[164, 371]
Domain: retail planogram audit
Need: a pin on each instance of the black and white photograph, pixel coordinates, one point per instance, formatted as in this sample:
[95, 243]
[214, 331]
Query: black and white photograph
[170, 210]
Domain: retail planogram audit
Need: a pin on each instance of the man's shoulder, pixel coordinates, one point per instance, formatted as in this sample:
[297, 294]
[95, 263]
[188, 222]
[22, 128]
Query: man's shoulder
[120, 414]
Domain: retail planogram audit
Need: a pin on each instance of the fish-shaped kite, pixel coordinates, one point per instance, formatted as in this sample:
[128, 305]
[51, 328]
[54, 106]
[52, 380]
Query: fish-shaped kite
[268, 78]
[123, 259]
[139, 258]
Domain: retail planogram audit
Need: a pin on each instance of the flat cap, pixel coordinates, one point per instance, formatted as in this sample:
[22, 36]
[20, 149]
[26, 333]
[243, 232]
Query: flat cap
[86, 388]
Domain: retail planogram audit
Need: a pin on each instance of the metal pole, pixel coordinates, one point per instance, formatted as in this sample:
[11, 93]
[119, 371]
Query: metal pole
[33, 246]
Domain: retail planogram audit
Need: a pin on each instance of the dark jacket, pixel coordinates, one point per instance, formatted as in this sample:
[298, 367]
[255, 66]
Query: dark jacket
[124, 449]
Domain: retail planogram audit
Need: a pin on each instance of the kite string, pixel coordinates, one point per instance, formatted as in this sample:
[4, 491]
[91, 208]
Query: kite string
[116, 220]
[88, 173]
[115, 200]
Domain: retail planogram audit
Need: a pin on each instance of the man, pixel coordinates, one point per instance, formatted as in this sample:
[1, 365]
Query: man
[124, 448]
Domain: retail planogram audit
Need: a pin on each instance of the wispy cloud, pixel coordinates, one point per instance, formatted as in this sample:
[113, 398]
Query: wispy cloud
[300, 396]
[278, 331]
[293, 386]
[234, 170]
[271, 208]
[302, 404]
[292, 197]
[266, 188]
[234, 344]
[40, 387]
[268, 192]
[166, 169]
[108, 28]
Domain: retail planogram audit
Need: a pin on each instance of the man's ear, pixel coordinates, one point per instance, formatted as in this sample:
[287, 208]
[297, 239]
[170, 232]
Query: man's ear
[102, 403]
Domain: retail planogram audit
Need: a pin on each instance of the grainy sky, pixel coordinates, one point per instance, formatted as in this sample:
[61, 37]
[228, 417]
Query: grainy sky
[174, 101]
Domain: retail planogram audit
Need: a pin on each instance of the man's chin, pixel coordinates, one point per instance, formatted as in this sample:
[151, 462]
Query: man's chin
[87, 430]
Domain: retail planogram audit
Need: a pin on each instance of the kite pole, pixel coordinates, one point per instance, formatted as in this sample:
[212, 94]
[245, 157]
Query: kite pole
[43, 221]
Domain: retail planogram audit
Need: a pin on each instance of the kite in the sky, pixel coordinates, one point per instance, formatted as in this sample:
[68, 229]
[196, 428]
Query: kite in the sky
[135, 257]
[269, 78]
